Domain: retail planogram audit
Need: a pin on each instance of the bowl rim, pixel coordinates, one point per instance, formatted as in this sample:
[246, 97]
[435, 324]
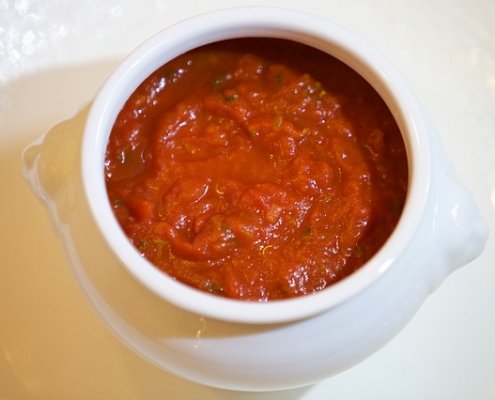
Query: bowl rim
[240, 22]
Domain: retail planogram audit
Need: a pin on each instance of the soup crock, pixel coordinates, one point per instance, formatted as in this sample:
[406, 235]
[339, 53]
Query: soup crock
[439, 230]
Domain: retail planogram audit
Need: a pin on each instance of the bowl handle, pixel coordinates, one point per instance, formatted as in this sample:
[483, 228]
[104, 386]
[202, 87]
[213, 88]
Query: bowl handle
[457, 229]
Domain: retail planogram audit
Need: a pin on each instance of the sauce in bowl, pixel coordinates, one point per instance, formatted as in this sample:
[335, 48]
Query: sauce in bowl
[256, 169]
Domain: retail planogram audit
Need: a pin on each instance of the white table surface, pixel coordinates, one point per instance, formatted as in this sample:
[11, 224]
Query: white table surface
[53, 57]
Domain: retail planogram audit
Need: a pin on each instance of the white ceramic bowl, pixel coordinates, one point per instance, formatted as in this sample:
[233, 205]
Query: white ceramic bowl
[257, 22]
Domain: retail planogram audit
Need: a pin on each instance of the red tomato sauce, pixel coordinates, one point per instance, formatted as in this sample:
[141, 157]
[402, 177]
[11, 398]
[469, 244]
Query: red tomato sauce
[256, 169]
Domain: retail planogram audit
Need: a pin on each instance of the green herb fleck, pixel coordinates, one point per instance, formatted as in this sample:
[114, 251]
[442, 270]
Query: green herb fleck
[230, 99]
[118, 202]
[168, 74]
[219, 80]
[309, 231]
[279, 78]
[160, 242]
[359, 251]
[213, 287]
[396, 206]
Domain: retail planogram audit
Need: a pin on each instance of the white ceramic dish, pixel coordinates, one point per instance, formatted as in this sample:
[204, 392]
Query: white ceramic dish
[446, 54]
[439, 221]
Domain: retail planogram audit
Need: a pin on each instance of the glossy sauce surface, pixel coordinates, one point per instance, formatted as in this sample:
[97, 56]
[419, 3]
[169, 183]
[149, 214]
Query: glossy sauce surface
[256, 169]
